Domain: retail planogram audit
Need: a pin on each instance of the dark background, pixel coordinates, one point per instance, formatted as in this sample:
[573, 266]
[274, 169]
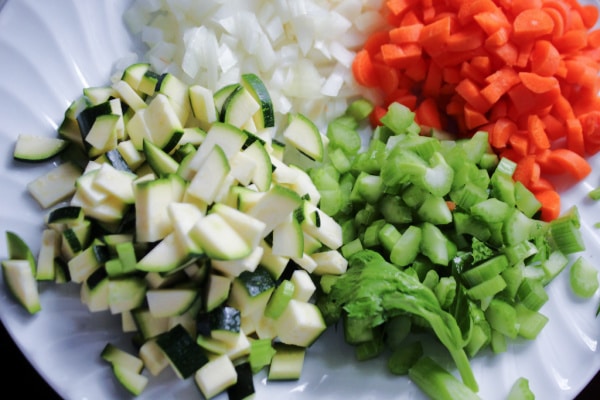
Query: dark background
[23, 379]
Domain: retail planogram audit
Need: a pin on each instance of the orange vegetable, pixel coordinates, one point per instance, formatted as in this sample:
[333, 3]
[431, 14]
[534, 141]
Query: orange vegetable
[550, 200]
[525, 71]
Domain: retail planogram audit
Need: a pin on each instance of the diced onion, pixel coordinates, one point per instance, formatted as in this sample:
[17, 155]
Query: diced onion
[301, 49]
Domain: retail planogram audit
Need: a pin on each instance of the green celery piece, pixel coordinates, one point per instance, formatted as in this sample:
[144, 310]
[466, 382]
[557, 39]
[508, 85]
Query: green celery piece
[374, 289]
[404, 357]
[520, 390]
[398, 118]
[438, 383]
[438, 178]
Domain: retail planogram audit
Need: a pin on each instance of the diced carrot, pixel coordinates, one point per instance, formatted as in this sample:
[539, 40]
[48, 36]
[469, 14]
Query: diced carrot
[363, 70]
[532, 23]
[537, 83]
[571, 41]
[504, 128]
[542, 184]
[451, 205]
[434, 35]
[469, 9]
[590, 126]
[507, 53]
[594, 38]
[466, 39]
[375, 40]
[427, 114]
[473, 118]
[525, 71]
[417, 70]
[571, 162]
[545, 58]
[491, 21]
[522, 5]
[397, 7]
[525, 169]
[537, 132]
[388, 77]
[524, 54]
[559, 21]
[550, 201]
[406, 34]
[589, 14]
[376, 115]
[575, 141]
[553, 126]
[469, 91]
[433, 81]
[499, 83]
[519, 143]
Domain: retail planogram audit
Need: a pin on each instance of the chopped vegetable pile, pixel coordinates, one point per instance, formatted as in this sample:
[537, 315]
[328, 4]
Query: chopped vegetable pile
[220, 198]
[438, 235]
[303, 50]
[524, 71]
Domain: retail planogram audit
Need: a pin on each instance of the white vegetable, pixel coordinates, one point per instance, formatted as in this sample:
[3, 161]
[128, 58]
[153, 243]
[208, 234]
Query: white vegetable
[303, 50]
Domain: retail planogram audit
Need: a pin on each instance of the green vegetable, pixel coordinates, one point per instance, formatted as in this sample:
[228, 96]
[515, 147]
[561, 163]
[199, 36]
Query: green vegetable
[376, 290]
[520, 390]
[583, 277]
[438, 383]
[437, 232]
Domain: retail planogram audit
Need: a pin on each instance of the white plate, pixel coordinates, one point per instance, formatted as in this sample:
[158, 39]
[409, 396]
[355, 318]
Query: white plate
[49, 51]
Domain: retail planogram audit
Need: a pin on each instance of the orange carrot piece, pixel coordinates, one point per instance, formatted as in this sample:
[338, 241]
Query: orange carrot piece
[427, 114]
[537, 132]
[594, 38]
[376, 115]
[525, 169]
[387, 77]
[590, 126]
[503, 129]
[530, 24]
[499, 83]
[571, 41]
[542, 184]
[497, 38]
[434, 35]
[469, 9]
[550, 201]
[433, 81]
[397, 7]
[537, 83]
[575, 141]
[553, 126]
[519, 143]
[589, 14]
[406, 33]
[522, 5]
[363, 70]
[562, 108]
[559, 21]
[471, 92]
[466, 39]
[507, 52]
[473, 118]
[545, 58]
[571, 162]
[374, 42]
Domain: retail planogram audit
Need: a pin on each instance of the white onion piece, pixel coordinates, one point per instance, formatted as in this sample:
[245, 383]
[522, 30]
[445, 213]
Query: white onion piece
[302, 49]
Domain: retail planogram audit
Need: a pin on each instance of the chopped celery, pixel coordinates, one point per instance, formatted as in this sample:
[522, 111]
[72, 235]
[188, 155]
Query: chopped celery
[444, 216]
[404, 357]
[520, 390]
[583, 277]
[438, 383]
